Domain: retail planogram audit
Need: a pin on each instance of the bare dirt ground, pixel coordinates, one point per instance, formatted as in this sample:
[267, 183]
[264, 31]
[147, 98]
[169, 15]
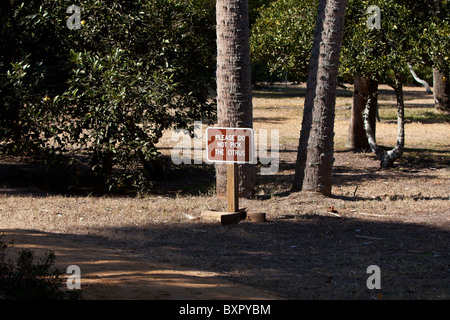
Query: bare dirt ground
[112, 273]
[311, 247]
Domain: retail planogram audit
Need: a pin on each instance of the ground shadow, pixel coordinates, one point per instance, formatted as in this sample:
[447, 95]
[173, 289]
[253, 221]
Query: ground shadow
[297, 257]
[32, 177]
[412, 162]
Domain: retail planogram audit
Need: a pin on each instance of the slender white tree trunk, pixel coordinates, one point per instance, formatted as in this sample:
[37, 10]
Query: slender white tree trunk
[387, 158]
[416, 77]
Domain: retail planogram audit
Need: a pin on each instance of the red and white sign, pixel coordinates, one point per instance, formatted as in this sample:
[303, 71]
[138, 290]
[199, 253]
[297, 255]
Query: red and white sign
[233, 145]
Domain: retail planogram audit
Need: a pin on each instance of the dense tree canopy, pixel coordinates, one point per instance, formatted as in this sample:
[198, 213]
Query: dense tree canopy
[282, 37]
[380, 53]
[413, 32]
[133, 69]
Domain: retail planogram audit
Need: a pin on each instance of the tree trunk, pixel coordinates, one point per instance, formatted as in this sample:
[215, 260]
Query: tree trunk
[356, 138]
[387, 158]
[416, 77]
[234, 93]
[316, 146]
[441, 91]
[107, 163]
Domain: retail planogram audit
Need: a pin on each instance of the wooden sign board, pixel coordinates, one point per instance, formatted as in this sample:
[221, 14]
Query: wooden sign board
[231, 145]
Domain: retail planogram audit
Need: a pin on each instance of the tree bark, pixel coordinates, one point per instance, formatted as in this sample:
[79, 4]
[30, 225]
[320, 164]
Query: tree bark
[387, 158]
[441, 91]
[316, 146]
[356, 138]
[416, 77]
[234, 93]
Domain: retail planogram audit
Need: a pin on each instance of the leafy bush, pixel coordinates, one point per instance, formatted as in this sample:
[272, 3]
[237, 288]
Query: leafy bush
[28, 281]
[282, 37]
[32, 67]
[110, 88]
[415, 32]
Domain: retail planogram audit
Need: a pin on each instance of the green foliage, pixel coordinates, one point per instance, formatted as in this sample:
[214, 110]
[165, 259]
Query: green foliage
[254, 7]
[436, 35]
[31, 67]
[409, 30]
[133, 70]
[282, 36]
[378, 53]
[26, 280]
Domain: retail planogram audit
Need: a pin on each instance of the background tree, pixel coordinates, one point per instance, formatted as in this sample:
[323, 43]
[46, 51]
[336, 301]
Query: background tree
[441, 86]
[316, 146]
[282, 37]
[110, 88]
[437, 34]
[234, 96]
[382, 55]
[430, 24]
[356, 138]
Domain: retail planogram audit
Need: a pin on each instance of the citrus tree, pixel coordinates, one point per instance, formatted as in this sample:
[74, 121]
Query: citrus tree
[434, 32]
[404, 36]
[282, 37]
[383, 54]
[33, 67]
[437, 34]
[111, 85]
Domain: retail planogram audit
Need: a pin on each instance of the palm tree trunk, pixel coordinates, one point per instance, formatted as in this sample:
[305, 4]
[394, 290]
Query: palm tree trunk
[234, 92]
[315, 154]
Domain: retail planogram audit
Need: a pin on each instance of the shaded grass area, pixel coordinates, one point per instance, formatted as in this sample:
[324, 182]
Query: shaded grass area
[28, 175]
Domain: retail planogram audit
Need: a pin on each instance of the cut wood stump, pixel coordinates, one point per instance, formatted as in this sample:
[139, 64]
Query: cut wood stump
[256, 216]
[224, 217]
[233, 217]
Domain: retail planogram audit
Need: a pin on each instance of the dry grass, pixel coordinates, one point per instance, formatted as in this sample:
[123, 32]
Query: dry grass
[398, 219]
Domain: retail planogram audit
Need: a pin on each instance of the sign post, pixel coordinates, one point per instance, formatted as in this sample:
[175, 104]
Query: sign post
[233, 187]
[231, 146]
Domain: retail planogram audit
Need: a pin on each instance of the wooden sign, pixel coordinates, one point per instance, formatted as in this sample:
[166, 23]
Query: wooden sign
[231, 145]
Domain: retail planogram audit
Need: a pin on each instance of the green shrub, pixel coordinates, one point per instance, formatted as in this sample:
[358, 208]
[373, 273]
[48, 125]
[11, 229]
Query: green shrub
[26, 280]
[110, 88]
